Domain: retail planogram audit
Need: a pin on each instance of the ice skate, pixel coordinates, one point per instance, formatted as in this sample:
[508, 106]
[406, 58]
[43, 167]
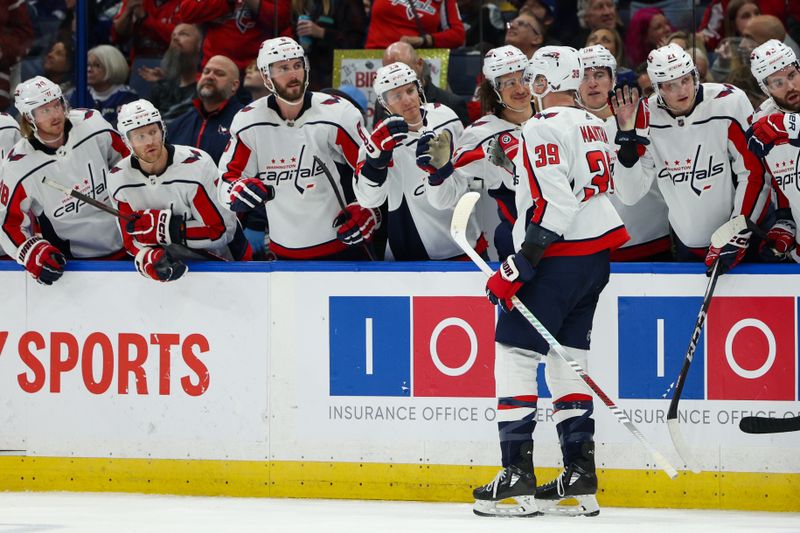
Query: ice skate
[578, 481]
[516, 482]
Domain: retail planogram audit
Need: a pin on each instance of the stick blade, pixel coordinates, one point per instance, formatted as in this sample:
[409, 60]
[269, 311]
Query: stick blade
[763, 424]
[681, 446]
[458, 229]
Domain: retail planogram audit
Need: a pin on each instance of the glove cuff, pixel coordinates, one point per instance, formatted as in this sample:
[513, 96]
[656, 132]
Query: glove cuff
[441, 174]
[373, 173]
[25, 251]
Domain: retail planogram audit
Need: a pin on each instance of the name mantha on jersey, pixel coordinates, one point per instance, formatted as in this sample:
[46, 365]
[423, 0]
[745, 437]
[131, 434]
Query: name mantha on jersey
[281, 153]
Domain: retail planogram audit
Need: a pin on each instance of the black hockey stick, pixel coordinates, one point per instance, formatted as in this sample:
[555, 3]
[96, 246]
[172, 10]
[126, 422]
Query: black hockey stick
[180, 251]
[458, 230]
[765, 424]
[339, 199]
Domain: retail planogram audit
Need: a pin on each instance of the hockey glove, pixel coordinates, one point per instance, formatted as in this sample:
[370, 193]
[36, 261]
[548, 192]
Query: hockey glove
[778, 242]
[357, 224]
[434, 153]
[157, 264]
[728, 245]
[386, 135]
[152, 226]
[508, 279]
[249, 193]
[633, 121]
[502, 149]
[44, 261]
[772, 130]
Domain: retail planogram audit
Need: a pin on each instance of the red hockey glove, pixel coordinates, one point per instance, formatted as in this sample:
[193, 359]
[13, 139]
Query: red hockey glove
[434, 153]
[385, 136]
[249, 193]
[728, 245]
[778, 242]
[502, 149]
[44, 261]
[152, 226]
[772, 130]
[157, 264]
[508, 279]
[357, 224]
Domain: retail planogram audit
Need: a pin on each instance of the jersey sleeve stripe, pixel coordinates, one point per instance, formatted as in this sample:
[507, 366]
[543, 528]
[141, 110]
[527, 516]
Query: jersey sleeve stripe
[470, 156]
[127, 239]
[539, 202]
[755, 181]
[348, 145]
[213, 227]
[15, 217]
[235, 167]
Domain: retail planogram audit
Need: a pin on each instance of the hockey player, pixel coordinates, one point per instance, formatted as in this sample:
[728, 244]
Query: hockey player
[646, 220]
[775, 136]
[563, 235]
[272, 150]
[392, 166]
[41, 227]
[480, 151]
[169, 194]
[9, 136]
[695, 148]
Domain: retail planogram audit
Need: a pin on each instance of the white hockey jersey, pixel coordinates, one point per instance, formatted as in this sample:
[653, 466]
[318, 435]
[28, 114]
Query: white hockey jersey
[701, 164]
[9, 136]
[27, 206]
[188, 187]
[281, 153]
[646, 220]
[565, 176]
[418, 230]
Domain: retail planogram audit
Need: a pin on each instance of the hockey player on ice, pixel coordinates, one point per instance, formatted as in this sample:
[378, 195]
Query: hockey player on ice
[646, 220]
[405, 158]
[40, 226]
[480, 153]
[563, 236]
[695, 149]
[170, 194]
[775, 136]
[9, 136]
[271, 153]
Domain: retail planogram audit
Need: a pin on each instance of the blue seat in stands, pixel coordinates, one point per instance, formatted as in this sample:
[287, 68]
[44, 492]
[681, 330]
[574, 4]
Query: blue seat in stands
[462, 72]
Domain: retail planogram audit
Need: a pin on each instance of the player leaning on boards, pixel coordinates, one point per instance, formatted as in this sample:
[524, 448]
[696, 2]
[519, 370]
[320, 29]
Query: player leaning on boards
[404, 159]
[646, 220]
[271, 151]
[76, 148]
[563, 236]
[695, 149]
[169, 193]
[775, 137]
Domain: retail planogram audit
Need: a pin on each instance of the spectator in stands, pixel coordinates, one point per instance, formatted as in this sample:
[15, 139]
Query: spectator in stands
[16, 36]
[525, 32]
[643, 79]
[482, 20]
[648, 30]
[762, 28]
[701, 62]
[107, 72]
[254, 83]
[726, 18]
[422, 24]
[612, 41]
[57, 65]
[592, 15]
[330, 25]
[235, 28]
[147, 25]
[206, 125]
[403, 52]
[176, 78]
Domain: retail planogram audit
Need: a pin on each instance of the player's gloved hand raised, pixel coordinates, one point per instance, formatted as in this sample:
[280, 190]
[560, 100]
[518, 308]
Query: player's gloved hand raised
[502, 149]
[357, 224]
[434, 154]
[728, 245]
[772, 130]
[156, 263]
[385, 136]
[44, 261]
[778, 242]
[153, 226]
[249, 193]
[633, 121]
[508, 279]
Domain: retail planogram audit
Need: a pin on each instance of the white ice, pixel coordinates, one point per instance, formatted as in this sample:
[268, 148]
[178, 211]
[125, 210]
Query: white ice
[128, 513]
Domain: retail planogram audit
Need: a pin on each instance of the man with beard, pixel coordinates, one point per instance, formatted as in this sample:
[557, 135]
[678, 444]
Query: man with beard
[291, 153]
[775, 137]
[177, 77]
[206, 125]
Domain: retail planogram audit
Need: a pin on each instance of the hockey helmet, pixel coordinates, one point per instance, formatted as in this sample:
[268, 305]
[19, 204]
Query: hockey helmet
[34, 93]
[137, 114]
[279, 49]
[503, 60]
[561, 66]
[669, 63]
[598, 56]
[392, 76]
[769, 58]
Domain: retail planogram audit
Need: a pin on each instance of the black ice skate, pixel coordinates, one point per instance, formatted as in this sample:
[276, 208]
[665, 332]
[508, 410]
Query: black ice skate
[578, 481]
[516, 482]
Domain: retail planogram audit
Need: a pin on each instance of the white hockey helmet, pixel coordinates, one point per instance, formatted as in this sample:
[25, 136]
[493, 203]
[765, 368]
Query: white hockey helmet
[392, 76]
[598, 56]
[34, 93]
[561, 66]
[503, 60]
[769, 58]
[279, 49]
[137, 114]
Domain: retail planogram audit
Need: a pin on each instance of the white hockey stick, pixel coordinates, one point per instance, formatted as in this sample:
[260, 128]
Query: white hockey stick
[458, 229]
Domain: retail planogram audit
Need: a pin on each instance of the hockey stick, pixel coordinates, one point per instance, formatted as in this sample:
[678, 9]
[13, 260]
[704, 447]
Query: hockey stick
[458, 230]
[180, 250]
[339, 198]
[765, 424]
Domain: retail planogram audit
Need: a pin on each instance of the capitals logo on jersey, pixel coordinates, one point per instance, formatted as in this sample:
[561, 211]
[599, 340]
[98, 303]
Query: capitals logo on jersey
[286, 168]
[786, 174]
[699, 175]
[421, 6]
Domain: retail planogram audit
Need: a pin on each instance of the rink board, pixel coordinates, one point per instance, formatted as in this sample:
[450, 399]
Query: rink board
[375, 381]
